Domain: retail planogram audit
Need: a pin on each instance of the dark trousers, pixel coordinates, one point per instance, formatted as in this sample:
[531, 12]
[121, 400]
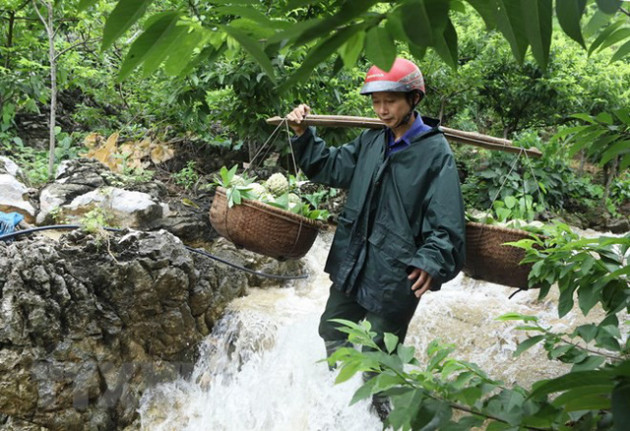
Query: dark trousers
[340, 306]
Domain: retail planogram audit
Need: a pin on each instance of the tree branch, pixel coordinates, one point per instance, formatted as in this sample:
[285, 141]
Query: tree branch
[63, 51]
[41, 18]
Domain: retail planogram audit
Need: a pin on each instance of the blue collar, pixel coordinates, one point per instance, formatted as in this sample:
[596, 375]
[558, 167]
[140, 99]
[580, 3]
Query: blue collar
[404, 141]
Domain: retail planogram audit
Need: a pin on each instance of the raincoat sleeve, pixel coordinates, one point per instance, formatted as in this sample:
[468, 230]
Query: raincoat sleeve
[332, 166]
[442, 248]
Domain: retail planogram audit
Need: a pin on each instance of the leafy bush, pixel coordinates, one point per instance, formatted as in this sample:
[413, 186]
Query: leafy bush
[594, 395]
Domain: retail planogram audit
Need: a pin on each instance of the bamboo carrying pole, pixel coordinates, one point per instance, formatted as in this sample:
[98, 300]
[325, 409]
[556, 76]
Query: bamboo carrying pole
[454, 135]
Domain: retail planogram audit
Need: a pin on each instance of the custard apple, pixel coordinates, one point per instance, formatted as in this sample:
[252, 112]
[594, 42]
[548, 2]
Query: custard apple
[257, 190]
[238, 180]
[277, 184]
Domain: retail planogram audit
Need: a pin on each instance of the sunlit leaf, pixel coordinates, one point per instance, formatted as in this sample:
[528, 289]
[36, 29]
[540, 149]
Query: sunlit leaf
[391, 341]
[124, 15]
[613, 38]
[601, 38]
[149, 42]
[179, 58]
[623, 51]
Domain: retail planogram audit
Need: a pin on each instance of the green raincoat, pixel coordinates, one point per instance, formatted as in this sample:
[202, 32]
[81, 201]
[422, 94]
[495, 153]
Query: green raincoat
[403, 211]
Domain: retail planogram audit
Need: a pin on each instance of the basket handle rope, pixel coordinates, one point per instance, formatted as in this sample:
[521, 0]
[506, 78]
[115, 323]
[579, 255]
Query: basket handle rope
[267, 147]
[516, 159]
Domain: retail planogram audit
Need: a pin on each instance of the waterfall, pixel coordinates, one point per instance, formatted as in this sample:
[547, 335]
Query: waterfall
[261, 368]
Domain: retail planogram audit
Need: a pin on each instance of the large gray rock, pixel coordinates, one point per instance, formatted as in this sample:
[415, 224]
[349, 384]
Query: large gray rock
[90, 322]
[82, 185]
[14, 194]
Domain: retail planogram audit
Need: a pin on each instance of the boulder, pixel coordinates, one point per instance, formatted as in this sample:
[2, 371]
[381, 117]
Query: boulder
[89, 322]
[83, 185]
[14, 194]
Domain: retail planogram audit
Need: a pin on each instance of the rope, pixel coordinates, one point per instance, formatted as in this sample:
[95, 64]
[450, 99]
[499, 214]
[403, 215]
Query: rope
[11, 235]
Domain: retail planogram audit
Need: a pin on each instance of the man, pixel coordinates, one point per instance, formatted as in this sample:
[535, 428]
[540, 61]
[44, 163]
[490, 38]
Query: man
[402, 230]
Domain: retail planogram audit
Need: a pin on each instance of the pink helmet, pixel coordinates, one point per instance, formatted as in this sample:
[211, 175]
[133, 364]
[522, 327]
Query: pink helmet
[403, 77]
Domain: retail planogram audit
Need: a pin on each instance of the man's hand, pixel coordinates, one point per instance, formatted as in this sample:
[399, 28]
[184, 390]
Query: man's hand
[422, 281]
[296, 116]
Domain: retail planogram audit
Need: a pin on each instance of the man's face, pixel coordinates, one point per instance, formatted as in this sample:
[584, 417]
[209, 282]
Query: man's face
[390, 107]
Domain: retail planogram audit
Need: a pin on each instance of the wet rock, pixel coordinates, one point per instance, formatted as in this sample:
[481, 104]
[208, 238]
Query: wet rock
[90, 322]
[618, 225]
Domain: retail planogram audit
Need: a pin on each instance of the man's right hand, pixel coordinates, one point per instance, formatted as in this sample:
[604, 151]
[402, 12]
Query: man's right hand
[296, 116]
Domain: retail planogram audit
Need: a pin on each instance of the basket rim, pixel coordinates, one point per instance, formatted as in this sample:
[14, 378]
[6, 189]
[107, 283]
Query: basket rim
[498, 228]
[276, 211]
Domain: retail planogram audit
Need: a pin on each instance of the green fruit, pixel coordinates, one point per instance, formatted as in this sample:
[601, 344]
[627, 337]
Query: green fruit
[277, 184]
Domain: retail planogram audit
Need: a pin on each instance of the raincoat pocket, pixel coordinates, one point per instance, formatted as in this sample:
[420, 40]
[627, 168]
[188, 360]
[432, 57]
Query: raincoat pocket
[388, 254]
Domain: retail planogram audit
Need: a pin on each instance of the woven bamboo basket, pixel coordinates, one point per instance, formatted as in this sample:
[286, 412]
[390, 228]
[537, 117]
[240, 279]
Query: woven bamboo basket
[262, 228]
[489, 259]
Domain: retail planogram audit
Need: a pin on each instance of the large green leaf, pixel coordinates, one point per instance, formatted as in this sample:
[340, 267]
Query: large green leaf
[351, 50]
[252, 47]
[417, 23]
[615, 150]
[349, 10]
[320, 53]
[178, 59]
[592, 397]
[158, 35]
[124, 15]
[530, 342]
[620, 403]
[613, 38]
[569, 13]
[380, 48]
[510, 22]
[572, 380]
[609, 6]
[537, 15]
[623, 115]
[488, 11]
[623, 51]
[604, 35]
[446, 45]
[244, 12]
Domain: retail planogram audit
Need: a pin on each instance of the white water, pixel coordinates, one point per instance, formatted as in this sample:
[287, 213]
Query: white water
[260, 369]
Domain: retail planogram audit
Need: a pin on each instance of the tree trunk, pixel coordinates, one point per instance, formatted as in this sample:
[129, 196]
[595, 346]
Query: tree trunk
[48, 24]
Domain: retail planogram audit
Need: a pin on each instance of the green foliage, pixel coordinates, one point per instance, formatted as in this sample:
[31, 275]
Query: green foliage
[187, 177]
[266, 31]
[605, 136]
[594, 395]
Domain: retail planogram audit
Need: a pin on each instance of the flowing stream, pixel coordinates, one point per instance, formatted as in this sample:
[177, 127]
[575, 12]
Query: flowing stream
[261, 367]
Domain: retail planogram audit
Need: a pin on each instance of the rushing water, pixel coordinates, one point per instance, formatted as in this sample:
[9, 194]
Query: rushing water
[261, 367]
